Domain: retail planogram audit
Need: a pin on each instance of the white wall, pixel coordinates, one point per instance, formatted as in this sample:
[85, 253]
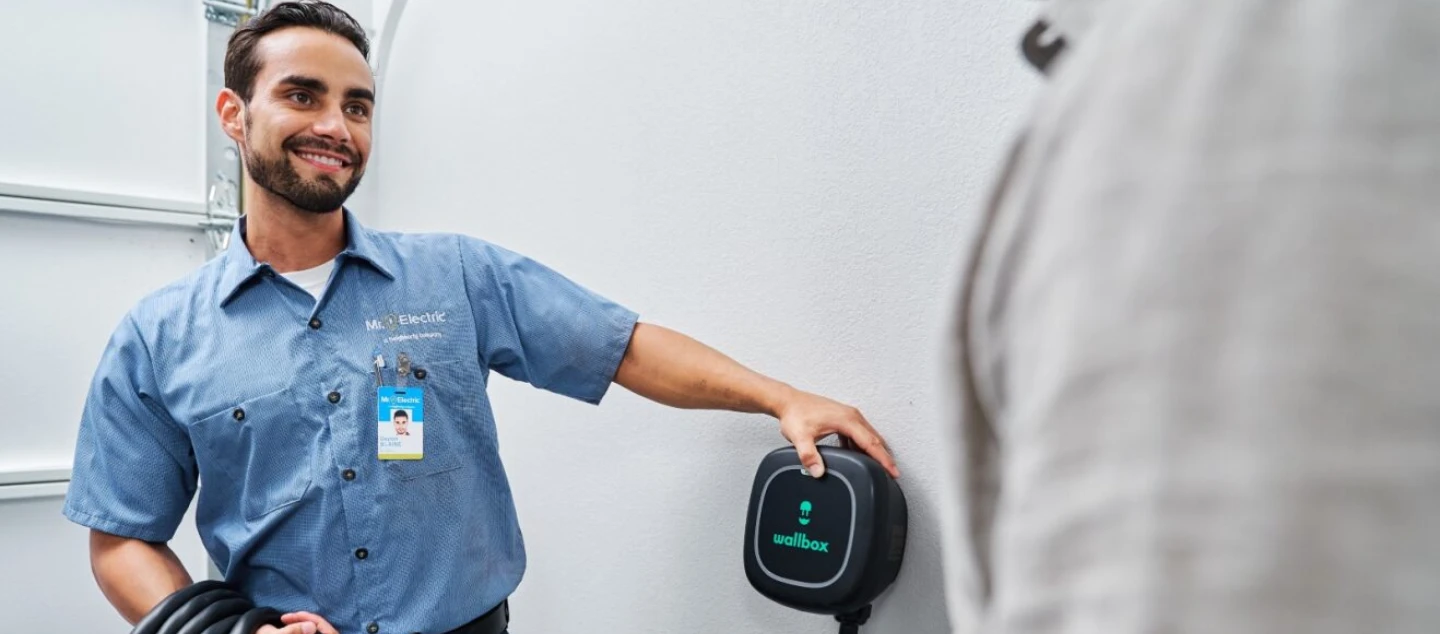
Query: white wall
[108, 98]
[787, 181]
[68, 285]
[100, 95]
[45, 579]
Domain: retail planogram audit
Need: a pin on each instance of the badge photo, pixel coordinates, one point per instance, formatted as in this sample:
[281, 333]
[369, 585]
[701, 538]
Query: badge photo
[401, 423]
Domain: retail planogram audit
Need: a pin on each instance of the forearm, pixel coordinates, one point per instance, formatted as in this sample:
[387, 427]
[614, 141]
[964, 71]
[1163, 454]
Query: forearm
[673, 369]
[135, 575]
[670, 368]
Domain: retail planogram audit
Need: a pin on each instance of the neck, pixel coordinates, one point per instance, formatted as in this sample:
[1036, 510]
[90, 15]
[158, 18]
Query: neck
[287, 237]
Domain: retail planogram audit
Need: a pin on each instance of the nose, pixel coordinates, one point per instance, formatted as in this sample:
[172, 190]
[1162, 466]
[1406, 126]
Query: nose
[331, 124]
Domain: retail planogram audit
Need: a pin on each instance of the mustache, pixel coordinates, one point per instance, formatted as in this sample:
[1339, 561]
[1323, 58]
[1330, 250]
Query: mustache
[298, 143]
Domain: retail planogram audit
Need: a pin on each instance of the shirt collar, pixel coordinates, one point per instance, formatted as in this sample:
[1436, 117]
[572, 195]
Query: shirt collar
[238, 265]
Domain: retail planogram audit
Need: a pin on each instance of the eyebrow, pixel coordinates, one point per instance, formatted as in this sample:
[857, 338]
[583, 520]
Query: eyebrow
[360, 93]
[309, 83]
[317, 85]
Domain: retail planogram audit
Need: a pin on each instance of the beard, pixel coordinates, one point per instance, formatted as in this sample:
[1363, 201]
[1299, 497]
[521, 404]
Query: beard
[322, 194]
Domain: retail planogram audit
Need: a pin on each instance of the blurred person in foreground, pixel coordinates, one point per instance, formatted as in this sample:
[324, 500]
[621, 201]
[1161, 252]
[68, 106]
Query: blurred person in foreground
[1197, 340]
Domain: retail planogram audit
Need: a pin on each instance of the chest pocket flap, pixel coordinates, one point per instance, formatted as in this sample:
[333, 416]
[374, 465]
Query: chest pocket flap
[260, 451]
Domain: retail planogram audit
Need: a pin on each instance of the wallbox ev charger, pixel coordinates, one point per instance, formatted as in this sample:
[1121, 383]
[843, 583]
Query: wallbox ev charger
[829, 545]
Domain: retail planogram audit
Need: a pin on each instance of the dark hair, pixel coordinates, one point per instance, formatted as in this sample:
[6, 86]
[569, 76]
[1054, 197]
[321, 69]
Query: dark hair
[241, 66]
[398, 413]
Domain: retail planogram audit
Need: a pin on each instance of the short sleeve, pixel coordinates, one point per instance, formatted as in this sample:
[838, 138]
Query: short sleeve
[134, 473]
[537, 326]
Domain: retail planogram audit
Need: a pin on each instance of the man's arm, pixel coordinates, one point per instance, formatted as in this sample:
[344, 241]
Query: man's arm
[133, 574]
[670, 368]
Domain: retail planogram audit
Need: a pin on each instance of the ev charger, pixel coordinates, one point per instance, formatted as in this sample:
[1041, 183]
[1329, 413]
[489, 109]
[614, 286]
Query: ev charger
[827, 545]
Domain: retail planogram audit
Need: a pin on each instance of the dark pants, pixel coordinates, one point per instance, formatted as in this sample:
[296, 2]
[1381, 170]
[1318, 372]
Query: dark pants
[496, 621]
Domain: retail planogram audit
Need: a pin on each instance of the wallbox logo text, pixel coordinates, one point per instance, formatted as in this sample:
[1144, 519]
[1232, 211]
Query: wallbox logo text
[801, 541]
[394, 321]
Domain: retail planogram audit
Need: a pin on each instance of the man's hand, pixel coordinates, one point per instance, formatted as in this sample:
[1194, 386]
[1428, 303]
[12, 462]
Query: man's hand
[806, 418]
[301, 623]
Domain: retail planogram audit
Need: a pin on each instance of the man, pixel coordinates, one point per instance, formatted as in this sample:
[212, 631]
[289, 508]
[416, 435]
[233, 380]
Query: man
[401, 420]
[1197, 346]
[262, 374]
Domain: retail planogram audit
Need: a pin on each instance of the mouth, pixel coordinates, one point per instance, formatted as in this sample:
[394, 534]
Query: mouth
[325, 162]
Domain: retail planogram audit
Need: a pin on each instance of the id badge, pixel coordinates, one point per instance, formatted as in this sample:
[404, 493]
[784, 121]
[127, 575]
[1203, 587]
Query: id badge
[401, 423]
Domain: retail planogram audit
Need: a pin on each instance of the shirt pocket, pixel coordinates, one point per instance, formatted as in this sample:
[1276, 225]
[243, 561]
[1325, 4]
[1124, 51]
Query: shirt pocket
[452, 406]
[258, 454]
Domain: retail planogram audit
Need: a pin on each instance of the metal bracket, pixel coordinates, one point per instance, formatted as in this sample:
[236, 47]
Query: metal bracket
[222, 208]
[223, 203]
[231, 14]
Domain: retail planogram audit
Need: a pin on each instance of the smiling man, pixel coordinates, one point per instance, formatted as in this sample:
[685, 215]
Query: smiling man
[269, 376]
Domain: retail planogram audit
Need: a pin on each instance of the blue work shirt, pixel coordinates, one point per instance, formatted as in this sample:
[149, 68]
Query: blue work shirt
[238, 376]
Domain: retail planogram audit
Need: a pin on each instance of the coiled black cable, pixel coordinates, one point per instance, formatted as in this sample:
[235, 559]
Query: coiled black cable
[207, 607]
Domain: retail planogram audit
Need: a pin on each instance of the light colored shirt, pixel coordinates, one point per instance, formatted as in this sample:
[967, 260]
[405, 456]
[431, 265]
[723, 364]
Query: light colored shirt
[1197, 350]
[238, 377]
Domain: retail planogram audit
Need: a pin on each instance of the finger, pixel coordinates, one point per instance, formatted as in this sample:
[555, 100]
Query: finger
[296, 617]
[869, 441]
[322, 626]
[875, 448]
[810, 457]
[303, 627]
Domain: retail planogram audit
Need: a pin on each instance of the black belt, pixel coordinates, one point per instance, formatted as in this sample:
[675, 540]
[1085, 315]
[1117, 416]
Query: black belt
[496, 621]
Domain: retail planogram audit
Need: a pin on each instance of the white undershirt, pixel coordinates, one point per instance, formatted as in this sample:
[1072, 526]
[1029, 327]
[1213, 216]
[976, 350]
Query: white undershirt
[312, 280]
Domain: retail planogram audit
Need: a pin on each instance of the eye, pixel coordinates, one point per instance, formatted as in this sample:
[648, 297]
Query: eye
[302, 98]
[357, 109]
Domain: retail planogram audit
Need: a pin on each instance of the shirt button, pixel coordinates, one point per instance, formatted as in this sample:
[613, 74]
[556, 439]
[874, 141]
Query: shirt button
[362, 553]
[420, 373]
[239, 414]
[348, 474]
[334, 397]
[373, 627]
[315, 323]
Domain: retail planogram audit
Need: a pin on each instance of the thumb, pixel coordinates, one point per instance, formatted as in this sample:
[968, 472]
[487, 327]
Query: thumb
[810, 457]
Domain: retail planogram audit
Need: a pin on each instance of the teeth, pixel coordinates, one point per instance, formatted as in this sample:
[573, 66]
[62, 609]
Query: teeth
[324, 160]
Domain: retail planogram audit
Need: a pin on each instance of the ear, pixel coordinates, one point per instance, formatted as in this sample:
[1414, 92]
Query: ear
[231, 109]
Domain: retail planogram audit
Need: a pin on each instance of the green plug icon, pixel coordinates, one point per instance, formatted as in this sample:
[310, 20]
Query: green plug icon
[805, 508]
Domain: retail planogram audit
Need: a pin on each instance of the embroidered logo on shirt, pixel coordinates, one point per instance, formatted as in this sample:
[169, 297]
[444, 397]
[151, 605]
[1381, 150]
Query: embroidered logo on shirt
[394, 321]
